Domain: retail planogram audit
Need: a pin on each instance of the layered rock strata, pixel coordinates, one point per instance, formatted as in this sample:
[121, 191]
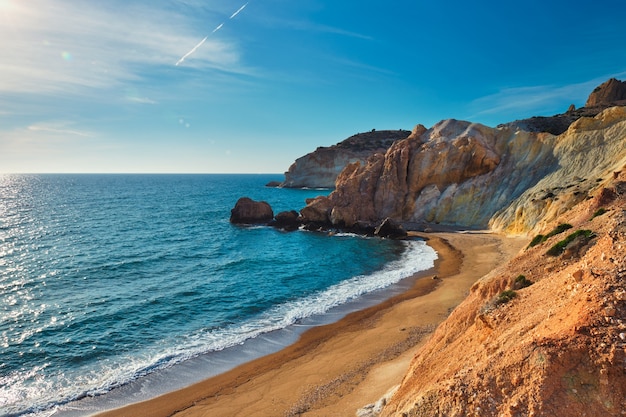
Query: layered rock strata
[456, 173]
[588, 154]
[469, 175]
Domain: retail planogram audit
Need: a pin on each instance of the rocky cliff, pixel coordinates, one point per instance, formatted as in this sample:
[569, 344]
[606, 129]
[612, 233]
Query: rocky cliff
[469, 175]
[320, 168]
[544, 335]
[456, 173]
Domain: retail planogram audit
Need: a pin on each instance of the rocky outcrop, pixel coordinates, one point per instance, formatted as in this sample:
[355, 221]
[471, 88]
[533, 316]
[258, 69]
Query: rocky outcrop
[391, 229]
[459, 173]
[248, 211]
[556, 124]
[320, 168]
[611, 92]
[544, 334]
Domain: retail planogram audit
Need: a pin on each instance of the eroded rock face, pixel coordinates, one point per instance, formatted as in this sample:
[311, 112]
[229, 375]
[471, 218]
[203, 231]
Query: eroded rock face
[248, 211]
[319, 169]
[317, 210]
[588, 155]
[456, 173]
[465, 174]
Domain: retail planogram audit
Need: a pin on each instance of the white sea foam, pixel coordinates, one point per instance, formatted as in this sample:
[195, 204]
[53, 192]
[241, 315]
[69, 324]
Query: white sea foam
[417, 257]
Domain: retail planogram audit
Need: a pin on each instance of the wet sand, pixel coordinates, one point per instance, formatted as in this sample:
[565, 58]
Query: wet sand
[335, 369]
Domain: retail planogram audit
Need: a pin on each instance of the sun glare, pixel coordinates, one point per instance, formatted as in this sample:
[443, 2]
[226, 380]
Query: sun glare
[7, 5]
[11, 13]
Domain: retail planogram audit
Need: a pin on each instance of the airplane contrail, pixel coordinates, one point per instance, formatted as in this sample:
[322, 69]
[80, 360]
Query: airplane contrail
[180, 61]
[192, 50]
[238, 11]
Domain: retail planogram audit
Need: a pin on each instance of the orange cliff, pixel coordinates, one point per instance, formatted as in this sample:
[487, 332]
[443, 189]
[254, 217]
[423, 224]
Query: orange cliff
[554, 348]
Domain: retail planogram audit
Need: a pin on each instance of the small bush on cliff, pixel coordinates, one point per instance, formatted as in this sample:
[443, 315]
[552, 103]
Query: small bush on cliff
[559, 248]
[505, 296]
[536, 240]
[598, 212]
[521, 282]
[559, 229]
[556, 231]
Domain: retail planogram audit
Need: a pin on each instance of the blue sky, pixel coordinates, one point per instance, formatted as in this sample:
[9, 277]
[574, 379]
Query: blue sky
[93, 86]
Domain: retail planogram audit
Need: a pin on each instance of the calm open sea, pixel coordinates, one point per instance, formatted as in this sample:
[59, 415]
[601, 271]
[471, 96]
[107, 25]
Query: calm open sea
[115, 288]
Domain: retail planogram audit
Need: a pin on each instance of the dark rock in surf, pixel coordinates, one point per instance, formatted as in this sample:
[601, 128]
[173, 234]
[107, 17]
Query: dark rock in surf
[287, 220]
[248, 211]
[390, 229]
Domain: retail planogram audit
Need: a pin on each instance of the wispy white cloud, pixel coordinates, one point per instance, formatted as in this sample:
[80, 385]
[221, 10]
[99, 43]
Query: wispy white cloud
[339, 31]
[141, 100]
[28, 148]
[55, 146]
[304, 24]
[59, 128]
[52, 46]
[520, 100]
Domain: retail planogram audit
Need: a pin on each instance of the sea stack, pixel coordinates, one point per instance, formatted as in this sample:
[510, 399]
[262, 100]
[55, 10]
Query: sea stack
[248, 211]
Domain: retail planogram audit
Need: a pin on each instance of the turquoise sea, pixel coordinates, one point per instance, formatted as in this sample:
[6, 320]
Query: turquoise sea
[116, 288]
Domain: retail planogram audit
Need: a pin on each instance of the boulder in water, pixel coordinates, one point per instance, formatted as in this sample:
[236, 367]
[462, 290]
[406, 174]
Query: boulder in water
[248, 211]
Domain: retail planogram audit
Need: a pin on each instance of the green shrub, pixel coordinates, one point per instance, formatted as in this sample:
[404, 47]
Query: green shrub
[505, 297]
[598, 212]
[559, 248]
[522, 282]
[536, 240]
[557, 230]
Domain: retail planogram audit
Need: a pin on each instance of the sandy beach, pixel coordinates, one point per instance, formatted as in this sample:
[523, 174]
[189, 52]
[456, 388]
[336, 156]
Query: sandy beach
[335, 369]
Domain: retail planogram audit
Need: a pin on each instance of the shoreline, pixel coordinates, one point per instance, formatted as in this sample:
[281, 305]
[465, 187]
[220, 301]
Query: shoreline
[336, 368]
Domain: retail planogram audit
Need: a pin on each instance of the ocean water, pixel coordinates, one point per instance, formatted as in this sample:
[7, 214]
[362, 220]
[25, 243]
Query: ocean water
[115, 288]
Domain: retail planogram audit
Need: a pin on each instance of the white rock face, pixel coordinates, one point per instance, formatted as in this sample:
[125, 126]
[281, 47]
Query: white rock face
[587, 155]
[320, 168]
